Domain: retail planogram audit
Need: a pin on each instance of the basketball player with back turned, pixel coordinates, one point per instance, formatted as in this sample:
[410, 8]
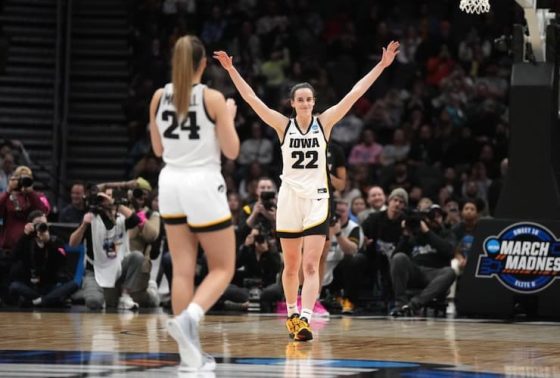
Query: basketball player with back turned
[190, 125]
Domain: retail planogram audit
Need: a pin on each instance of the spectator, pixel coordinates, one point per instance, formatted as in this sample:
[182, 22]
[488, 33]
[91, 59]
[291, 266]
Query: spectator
[375, 203]
[382, 231]
[40, 275]
[256, 148]
[397, 151]
[357, 206]
[367, 152]
[464, 230]
[74, 212]
[8, 165]
[348, 130]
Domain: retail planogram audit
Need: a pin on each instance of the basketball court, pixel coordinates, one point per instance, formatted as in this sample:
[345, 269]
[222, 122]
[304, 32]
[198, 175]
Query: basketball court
[84, 344]
[78, 343]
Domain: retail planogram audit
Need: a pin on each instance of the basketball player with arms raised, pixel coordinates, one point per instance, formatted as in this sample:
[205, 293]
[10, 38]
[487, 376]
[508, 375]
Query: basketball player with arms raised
[303, 200]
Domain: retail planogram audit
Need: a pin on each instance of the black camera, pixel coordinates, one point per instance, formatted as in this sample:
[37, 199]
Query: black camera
[267, 199]
[25, 182]
[260, 238]
[120, 196]
[40, 227]
[412, 221]
[334, 219]
[138, 193]
[92, 200]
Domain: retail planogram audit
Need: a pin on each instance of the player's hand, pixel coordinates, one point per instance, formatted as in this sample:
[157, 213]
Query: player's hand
[225, 60]
[389, 53]
[231, 107]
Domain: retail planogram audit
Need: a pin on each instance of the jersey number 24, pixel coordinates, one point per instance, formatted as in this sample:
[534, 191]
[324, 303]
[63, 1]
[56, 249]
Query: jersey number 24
[171, 131]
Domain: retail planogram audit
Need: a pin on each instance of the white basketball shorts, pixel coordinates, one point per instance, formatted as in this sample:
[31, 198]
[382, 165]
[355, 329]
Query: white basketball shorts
[297, 216]
[194, 196]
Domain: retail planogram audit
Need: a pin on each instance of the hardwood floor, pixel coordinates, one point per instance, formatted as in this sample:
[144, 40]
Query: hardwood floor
[139, 344]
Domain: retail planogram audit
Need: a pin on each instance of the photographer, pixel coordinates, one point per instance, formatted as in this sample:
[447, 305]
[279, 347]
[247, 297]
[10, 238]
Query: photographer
[422, 261]
[258, 265]
[346, 239]
[258, 258]
[19, 200]
[262, 213]
[113, 273]
[40, 276]
[15, 206]
[147, 231]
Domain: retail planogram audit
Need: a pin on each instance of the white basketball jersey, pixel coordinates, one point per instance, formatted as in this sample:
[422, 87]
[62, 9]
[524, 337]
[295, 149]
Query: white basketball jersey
[191, 142]
[305, 160]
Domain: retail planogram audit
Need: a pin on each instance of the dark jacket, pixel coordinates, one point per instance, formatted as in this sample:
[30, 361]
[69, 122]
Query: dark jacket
[47, 263]
[430, 249]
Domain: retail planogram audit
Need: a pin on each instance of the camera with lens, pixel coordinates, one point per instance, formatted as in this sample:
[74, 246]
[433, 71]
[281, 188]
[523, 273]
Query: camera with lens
[92, 200]
[120, 197]
[334, 218]
[267, 199]
[260, 238]
[40, 227]
[25, 182]
[137, 193]
[412, 221]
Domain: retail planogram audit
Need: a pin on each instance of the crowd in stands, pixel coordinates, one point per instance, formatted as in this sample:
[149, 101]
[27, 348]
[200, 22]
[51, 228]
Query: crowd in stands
[431, 135]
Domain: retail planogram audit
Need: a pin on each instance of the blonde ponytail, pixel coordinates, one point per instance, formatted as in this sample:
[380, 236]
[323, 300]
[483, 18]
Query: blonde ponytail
[182, 74]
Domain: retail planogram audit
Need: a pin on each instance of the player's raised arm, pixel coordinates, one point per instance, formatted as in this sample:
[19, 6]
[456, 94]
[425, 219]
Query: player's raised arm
[271, 117]
[335, 113]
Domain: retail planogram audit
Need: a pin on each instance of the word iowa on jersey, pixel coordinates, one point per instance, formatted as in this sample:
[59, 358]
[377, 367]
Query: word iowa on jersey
[304, 156]
[192, 141]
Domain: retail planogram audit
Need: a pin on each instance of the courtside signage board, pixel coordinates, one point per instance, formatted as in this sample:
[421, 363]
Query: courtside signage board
[524, 257]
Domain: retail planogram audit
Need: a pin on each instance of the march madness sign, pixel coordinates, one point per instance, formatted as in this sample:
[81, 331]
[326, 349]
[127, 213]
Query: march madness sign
[524, 257]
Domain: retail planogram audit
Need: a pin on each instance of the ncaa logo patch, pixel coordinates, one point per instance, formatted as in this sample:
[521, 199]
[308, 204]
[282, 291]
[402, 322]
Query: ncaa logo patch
[525, 258]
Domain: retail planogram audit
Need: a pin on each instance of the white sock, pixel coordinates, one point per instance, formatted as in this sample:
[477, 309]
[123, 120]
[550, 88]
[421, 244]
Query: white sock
[306, 313]
[37, 301]
[195, 312]
[292, 309]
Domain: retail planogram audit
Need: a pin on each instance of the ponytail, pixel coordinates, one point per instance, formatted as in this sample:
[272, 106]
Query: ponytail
[187, 55]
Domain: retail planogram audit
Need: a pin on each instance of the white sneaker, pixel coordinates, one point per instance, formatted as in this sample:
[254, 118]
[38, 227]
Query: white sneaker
[126, 303]
[208, 365]
[185, 332]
